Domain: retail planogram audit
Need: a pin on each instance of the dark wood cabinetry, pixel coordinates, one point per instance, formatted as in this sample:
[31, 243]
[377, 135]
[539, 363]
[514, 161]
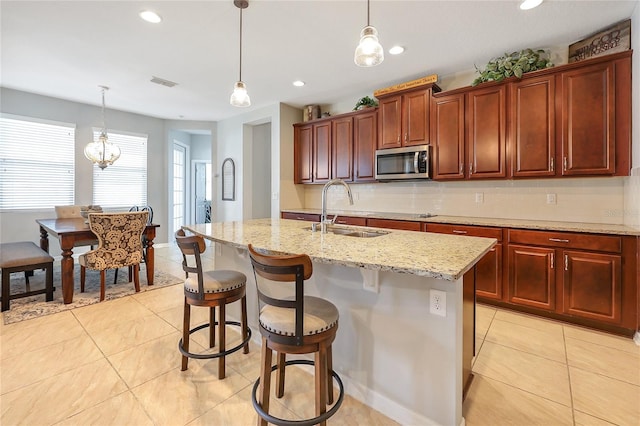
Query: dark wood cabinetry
[404, 118]
[488, 271]
[311, 217]
[486, 132]
[532, 133]
[365, 139]
[351, 220]
[571, 120]
[406, 225]
[532, 275]
[324, 149]
[342, 148]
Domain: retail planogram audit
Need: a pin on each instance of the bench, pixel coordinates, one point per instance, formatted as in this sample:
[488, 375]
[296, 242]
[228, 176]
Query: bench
[24, 256]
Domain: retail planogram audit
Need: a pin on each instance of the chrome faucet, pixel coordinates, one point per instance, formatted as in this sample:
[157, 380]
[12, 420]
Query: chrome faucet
[323, 219]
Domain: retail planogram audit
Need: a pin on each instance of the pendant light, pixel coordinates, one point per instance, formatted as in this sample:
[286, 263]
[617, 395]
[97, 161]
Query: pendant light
[240, 97]
[102, 152]
[369, 52]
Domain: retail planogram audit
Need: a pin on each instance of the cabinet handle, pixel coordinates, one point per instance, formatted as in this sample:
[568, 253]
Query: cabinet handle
[566, 262]
[553, 260]
[406, 136]
[564, 163]
[456, 231]
[461, 168]
[470, 168]
[299, 218]
[558, 240]
[552, 164]
[398, 139]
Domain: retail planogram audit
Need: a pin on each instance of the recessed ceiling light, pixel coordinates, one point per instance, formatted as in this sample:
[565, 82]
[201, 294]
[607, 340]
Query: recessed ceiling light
[530, 4]
[150, 16]
[396, 50]
[298, 83]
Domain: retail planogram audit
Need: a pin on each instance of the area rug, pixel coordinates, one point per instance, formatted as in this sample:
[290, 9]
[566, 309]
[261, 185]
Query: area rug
[35, 306]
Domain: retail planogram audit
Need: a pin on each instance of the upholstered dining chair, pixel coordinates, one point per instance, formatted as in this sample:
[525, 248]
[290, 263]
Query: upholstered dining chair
[145, 243]
[119, 245]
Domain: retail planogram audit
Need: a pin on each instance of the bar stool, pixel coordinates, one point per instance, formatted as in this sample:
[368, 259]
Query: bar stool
[212, 289]
[293, 325]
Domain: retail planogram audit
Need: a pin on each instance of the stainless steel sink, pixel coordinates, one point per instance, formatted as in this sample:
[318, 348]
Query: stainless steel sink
[352, 232]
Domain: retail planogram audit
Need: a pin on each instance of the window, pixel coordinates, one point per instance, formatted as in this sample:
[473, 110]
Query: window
[124, 183]
[36, 163]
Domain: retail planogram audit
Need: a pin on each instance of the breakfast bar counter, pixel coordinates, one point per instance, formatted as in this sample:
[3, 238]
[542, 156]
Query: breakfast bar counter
[390, 351]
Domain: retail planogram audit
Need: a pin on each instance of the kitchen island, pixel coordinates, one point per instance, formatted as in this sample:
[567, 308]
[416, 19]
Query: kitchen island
[391, 352]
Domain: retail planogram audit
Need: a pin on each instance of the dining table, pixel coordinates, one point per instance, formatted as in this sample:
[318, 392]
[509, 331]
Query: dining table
[70, 231]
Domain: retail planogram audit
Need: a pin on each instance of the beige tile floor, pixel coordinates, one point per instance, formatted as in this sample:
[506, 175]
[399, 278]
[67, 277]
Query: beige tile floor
[117, 363]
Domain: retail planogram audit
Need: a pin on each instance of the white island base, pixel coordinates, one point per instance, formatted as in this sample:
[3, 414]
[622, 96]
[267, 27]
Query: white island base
[391, 353]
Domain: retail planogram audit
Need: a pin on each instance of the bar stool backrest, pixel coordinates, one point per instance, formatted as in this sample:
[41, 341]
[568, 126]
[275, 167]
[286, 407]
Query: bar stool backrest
[192, 247]
[291, 269]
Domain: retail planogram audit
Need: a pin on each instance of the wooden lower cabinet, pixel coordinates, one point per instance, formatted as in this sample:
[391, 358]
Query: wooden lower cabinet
[406, 225]
[311, 217]
[592, 286]
[351, 220]
[532, 277]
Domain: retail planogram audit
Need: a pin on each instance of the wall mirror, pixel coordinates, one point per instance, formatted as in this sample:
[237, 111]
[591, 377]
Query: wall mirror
[228, 180]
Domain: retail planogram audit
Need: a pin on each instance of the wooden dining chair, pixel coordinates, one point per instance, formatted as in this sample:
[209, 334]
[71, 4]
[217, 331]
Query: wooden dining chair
[119, 245]
[145, 242]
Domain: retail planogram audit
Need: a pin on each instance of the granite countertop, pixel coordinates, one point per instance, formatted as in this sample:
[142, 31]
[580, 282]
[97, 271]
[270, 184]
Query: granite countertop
[542, 225]
[441, 256]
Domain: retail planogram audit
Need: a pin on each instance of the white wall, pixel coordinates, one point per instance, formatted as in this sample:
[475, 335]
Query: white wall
[632, 183]
[261, 172]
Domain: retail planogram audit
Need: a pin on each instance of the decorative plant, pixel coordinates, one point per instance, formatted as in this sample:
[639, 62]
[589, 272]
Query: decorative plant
[514, 64]
[365, 102]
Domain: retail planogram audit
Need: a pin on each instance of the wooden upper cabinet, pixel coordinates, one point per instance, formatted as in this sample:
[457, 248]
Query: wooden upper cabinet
[447, 137]
[588, 120]
[532, 127]
[303, 154]
[322, 151]
[404, 118]
[365, 139]
[415, 117]
[390, 122]
[342, 148]
[486, 132]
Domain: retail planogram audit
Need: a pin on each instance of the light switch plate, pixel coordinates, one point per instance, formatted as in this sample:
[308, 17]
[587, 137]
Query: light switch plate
[551, 199]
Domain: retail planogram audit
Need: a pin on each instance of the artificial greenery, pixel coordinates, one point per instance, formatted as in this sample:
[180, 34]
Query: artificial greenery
[514, 64]
[365, 103]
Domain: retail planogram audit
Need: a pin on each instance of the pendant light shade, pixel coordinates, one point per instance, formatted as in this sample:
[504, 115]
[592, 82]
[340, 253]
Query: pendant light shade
[369, 52]
[102, 152]
[240, 97]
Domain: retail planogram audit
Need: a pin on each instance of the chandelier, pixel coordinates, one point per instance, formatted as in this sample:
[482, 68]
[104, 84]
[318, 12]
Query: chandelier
[102, 152]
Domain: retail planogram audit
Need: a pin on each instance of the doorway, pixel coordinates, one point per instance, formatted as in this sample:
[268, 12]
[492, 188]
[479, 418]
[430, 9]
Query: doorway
[179, 186]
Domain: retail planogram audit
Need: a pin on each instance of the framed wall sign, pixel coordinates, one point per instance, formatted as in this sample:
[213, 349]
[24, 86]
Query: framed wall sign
[228, 180]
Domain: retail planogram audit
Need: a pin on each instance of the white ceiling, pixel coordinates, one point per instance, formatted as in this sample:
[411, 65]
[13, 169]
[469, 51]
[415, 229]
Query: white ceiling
[66, 49]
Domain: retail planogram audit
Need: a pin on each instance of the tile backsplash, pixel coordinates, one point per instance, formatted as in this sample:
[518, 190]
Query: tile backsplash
[593, 200]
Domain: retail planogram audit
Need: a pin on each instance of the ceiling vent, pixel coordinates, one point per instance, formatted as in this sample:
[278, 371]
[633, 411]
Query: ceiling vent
[163, 82]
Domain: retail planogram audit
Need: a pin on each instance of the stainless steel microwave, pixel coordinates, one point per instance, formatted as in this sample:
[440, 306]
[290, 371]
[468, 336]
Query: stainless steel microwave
[411, 162]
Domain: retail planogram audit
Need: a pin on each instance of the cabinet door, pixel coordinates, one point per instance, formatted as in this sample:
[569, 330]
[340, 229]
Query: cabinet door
[394, 224]
[415, 118]
[312, 217]
[593, 286]
[390, 123]
[303, 154]
[486, 142]
[489, 274]
[588, 120]
[533, 127]
[322, 151]
[342, 148]
[447, 137]
[532, 279]
[365, 139]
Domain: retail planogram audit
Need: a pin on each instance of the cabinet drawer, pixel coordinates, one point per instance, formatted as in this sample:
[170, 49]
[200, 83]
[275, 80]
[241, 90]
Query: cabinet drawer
[471, 231]
[301, 216]
[351, 220]
[606, 243]
[394, 224]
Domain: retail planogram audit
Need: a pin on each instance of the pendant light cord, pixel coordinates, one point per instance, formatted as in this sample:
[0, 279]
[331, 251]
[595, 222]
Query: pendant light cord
[367, 13]
[240, 44]
[104, 126]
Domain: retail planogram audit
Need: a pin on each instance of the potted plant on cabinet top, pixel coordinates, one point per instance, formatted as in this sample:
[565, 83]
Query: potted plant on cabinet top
[513, 65]
[365, 102]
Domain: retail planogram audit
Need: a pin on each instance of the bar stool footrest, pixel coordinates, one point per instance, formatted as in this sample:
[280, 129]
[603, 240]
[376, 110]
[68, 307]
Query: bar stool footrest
[217, 354]
[308, 422]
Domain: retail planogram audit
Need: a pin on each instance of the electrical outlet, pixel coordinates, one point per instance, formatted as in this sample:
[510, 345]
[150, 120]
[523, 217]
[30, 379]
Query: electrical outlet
[479, 197]
[274, 196]
[551, 198]
[438, 302]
